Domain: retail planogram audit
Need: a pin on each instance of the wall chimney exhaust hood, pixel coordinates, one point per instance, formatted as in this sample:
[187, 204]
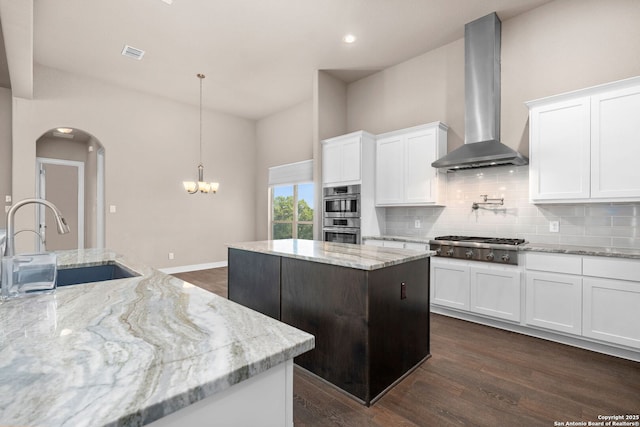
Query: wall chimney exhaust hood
[482, 146]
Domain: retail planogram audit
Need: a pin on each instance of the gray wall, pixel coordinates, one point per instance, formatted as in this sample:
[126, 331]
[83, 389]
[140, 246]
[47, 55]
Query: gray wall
[5, 146]
[285, 137]
[151, 146]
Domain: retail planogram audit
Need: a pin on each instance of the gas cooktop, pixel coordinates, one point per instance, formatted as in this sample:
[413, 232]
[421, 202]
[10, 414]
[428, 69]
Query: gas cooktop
[487, 249]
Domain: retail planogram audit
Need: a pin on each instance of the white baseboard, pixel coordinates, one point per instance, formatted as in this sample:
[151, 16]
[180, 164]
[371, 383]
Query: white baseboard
[193, 267]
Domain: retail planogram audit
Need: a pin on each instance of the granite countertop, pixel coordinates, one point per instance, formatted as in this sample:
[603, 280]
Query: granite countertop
[128, 351]
[541, 247]
[360, 257]
[399, 239]
[581, 250]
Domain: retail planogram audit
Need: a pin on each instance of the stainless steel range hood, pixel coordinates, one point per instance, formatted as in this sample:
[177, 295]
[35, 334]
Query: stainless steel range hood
[482, 146]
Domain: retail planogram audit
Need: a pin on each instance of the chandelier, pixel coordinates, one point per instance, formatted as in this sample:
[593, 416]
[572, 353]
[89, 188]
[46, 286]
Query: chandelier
[200, 185]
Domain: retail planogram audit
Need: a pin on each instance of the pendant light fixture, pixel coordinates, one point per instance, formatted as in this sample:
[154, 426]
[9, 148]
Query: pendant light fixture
[200, 185]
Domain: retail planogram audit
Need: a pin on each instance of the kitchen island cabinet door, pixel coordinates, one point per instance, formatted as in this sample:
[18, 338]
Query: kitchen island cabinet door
[615, 147]
[554, 301]
[399, 328]
[371, 327]
[257, 287]
[611, 311]
[329, 302]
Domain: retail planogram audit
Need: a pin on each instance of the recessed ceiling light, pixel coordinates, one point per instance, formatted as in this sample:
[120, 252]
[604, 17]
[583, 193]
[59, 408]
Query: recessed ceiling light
[349, 38]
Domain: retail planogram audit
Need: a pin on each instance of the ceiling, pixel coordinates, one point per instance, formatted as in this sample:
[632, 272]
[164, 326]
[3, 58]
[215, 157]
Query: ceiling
[259, 56]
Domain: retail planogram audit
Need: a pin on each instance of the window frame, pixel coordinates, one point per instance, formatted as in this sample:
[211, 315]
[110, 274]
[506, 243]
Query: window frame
[295, 222]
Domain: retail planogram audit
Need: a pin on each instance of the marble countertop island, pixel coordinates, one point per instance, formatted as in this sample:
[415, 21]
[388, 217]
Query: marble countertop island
[128, 351]
[356, 300]
[360, 257]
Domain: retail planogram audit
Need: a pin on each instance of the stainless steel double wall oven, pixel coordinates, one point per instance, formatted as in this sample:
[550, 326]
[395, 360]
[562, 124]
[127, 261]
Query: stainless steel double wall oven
[341, 220]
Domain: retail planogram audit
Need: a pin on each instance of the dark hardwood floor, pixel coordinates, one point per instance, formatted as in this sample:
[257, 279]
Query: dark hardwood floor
[477, 376]
[213, 280]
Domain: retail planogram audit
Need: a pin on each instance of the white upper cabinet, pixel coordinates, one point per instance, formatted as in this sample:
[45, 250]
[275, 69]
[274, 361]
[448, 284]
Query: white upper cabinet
[404, 175]
[342, 159]
[615, 144]
[559, 161]
[389, 170]
[584, 145]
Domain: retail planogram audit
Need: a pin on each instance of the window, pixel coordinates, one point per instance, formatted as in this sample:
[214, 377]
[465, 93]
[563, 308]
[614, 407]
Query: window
[292, 211]
[291, 193]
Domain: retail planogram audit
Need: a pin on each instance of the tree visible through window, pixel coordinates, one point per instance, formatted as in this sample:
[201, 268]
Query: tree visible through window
[292, 216]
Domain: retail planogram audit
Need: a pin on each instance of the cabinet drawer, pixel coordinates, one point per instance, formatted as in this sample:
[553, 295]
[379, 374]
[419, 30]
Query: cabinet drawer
[555, 263]
[624, 269]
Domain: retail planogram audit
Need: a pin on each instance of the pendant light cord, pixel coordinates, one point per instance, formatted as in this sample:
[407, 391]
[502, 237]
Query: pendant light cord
[201, 77]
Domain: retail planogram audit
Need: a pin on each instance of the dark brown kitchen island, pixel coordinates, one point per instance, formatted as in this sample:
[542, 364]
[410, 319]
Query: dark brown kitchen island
[368, 307]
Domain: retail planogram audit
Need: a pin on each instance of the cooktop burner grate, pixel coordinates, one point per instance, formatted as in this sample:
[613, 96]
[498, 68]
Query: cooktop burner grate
[488, 240]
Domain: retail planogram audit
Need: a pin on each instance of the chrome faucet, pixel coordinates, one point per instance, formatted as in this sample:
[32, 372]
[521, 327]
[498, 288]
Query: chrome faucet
[61, 223]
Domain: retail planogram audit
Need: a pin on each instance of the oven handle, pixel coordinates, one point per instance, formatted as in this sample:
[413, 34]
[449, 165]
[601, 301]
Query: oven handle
[341, 229]
[343, 197]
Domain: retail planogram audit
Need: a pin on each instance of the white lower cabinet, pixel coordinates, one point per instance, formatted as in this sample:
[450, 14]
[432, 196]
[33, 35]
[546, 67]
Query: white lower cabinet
[611, 311]
[589, 296]
[554, 301]
[476, 287]
[450, 283]
[495, 291]
[585, 300]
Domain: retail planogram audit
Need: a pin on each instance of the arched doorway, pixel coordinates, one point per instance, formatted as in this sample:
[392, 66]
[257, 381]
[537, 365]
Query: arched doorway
[70, 174]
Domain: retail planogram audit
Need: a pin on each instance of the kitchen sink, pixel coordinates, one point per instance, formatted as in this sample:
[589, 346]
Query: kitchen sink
[93, 273]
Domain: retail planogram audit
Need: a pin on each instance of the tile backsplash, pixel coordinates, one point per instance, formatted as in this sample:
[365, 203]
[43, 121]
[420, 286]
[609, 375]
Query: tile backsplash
[614, 225]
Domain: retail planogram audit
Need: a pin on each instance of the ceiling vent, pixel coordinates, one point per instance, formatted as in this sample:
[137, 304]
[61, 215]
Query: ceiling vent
[132, 52]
